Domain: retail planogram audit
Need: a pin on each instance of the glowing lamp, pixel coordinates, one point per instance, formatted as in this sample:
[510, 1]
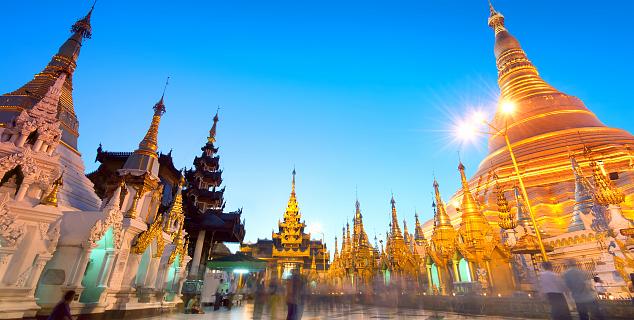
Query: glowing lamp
[508, 107]
[240, 271]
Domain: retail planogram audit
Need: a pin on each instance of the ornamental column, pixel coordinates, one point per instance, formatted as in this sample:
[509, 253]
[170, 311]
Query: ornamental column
[106, 268]
[198, 250]
[38, 267]
[455, 270]
[78, 276]
[24, 187]
[430, 282]
[150, 276]
[131, 270]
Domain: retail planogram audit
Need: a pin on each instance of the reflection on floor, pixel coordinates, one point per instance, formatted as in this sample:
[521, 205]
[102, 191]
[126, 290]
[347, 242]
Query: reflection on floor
[355, 312]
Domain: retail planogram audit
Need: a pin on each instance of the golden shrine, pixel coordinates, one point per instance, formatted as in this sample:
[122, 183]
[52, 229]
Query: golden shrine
[290, 248]
[355, 267]
[579, 213]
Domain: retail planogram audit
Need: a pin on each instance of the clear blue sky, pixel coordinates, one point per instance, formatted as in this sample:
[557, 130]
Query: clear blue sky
[353, 93]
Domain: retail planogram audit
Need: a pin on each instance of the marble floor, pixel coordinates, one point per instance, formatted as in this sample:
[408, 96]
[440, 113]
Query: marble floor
[355, 312]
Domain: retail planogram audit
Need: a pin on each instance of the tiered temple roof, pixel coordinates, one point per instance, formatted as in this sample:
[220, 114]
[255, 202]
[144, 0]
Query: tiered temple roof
[203, 198]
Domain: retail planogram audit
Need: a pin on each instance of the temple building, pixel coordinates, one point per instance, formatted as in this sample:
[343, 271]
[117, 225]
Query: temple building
[398, 261]
[120, 254]
[578, 177]
[290, 248]
[206, 222]
[355, 267]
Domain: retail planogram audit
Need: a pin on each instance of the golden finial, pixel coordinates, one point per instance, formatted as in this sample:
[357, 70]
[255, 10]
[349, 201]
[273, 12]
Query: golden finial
[212, 131]
[293, 188]
[496, 19]
[396, 230]
[82, 26]
[441, 216]
[469, 205]
[51, 198]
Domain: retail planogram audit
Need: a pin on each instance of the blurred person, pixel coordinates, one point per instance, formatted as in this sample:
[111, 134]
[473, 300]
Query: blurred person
[259, 300]
[553, 288]
[193, 306]
[61, 311]
[274, 299]
[599, 287]
[583, 294]
[294, 295]
[221, 291]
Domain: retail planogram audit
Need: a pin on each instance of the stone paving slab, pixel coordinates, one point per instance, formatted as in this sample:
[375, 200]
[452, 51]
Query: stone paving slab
[357, 312]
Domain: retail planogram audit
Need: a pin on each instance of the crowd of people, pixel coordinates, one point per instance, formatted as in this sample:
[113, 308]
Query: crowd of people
[570, 290]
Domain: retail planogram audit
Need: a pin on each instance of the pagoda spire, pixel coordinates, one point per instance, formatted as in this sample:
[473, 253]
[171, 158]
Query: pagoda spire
[470, 209]
[343, 240]
[395, 229]
[418, 229]
[336, 249]
[62, 64]
[149, 144]
[538, 107]
[292, 209]
[212, 131]
[348, 240]
[405, 232]
[517, 77]
[145, 158]
[441, 218]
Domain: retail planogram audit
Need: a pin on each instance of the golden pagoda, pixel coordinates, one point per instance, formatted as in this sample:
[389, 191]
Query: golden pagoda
[356, 265]
[399, 260]
[544, 129]
[479, 244]
[442, 247]
[546, 126]
[290, 248]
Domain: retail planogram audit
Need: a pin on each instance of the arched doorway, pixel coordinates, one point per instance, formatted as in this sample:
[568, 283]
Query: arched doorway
[464, 272]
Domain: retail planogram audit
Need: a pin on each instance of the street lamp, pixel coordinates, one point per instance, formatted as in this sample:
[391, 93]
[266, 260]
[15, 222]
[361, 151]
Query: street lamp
[468, 128]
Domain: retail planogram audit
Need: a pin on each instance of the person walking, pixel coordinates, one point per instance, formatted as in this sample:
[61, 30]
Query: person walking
[583, 294]
[61, 311]
[553, 288]
[294, 295]
[259, 299]
[222, 289]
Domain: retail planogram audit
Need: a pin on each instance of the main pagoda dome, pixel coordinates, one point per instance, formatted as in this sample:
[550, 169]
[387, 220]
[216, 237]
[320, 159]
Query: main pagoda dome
[545, 128]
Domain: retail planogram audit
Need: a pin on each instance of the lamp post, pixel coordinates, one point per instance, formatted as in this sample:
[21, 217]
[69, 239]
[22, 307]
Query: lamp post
[508, 108]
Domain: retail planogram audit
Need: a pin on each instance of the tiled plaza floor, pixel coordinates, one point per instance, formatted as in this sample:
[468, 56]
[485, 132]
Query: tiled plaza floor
[357, 312]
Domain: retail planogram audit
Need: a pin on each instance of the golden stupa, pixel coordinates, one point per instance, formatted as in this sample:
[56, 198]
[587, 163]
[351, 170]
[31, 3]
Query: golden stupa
[545, 129]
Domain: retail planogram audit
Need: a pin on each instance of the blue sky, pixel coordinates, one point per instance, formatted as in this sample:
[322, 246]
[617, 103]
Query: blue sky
[354, 94]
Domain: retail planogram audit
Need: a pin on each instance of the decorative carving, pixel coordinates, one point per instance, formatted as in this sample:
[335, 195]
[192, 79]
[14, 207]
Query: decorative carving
[52, 235]
[23, 277]
[11, 232]
[22, 159]
[113, 217]
[145, 238]
[43, 228]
